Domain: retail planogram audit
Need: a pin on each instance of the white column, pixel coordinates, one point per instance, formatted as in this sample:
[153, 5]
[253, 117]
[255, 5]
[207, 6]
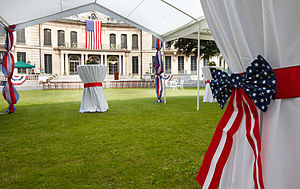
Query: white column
[122, 64]
[66, 64]
[62, 63]
[106, 63]
[82, 59]
[119, 66]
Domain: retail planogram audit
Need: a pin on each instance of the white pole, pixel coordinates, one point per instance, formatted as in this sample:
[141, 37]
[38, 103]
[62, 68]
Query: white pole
[163, 55]
[198, 69]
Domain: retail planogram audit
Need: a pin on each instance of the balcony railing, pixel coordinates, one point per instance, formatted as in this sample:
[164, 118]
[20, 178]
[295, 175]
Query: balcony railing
[83, 45]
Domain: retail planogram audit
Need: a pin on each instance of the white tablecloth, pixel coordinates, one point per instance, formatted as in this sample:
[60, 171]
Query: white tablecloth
[207, 97]
[93, 98]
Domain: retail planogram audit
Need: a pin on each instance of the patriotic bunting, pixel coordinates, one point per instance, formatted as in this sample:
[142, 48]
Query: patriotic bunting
[168, 77]
[18, 80]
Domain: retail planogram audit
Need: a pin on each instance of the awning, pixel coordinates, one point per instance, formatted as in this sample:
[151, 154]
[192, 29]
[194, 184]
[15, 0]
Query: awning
[21, 64]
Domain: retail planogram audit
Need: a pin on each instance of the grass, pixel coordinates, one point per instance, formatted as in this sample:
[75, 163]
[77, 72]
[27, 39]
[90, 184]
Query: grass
[47, 143]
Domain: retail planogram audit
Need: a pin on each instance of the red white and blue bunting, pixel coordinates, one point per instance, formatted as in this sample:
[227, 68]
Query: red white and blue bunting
[168, 77]
[18, 80]
[10, 94]
[159, 69]
[250, 92]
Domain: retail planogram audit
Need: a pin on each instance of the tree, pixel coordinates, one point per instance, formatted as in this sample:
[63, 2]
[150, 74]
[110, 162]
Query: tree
[208, 48]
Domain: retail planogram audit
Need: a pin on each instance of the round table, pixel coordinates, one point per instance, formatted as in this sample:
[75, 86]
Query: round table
[93, 98]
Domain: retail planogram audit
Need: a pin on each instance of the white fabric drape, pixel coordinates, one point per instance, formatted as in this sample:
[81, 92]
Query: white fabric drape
[93, 98]
[242, 30]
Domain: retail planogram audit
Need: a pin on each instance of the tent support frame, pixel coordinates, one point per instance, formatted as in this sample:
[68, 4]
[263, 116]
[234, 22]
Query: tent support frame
[198, 69]
[198, 57]
[164, 57]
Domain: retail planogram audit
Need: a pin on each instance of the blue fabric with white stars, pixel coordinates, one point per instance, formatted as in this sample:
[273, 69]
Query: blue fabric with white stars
[259, 83]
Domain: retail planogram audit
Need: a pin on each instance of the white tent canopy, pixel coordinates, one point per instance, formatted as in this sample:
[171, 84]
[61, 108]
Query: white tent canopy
[153, 16]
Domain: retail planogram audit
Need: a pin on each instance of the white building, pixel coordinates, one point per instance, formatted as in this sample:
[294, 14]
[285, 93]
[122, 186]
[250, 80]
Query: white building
[58, 47]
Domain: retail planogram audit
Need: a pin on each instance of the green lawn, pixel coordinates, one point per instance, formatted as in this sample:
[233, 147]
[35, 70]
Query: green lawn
[137, 143]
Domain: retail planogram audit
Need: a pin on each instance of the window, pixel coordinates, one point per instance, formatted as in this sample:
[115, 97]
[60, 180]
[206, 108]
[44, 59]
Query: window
[73, 39]
[153, 65]
[48, 63]
[180, 64]
[2, 36]
[168, 64]
[154, 41]
[47, 37]
[61, 38]
[135, 65]
[112, 41]
[135, 44]
[21, 36]
[205, 61]
[21, 56]
[193, 65]
[123, 41]
[93, 16]
[74, 62]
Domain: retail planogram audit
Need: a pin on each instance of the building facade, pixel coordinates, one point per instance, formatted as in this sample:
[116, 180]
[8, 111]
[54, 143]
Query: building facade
[58, 47]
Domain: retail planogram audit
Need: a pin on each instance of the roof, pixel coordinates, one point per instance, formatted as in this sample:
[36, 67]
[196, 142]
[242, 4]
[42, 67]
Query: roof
[161, 18]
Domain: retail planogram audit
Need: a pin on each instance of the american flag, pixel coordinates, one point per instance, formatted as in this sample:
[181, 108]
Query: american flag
[93, 34]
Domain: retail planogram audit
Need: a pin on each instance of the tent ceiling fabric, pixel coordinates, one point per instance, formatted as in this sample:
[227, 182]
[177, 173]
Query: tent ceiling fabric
[153, 16]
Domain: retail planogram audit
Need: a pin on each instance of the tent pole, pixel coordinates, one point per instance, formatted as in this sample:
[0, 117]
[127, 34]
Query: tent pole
[163, 54]
[3, 22]
[198, 68]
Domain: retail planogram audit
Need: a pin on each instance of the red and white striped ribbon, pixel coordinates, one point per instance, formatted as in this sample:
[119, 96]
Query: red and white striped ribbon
[221, 144]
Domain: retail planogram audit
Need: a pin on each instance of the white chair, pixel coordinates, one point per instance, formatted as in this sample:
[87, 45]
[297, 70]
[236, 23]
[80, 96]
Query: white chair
[168, 85]
[174, 84]
[180, 85]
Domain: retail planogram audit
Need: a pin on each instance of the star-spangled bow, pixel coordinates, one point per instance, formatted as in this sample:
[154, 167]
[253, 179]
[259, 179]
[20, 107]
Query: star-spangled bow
[259, 83]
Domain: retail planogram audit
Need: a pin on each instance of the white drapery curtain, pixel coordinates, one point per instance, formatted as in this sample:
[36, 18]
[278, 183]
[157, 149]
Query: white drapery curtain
[242, 30]
[93, 98]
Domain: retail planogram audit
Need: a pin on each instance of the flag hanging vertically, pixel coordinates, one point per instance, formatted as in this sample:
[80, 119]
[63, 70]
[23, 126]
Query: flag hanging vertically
[93, 34]
[159, 69]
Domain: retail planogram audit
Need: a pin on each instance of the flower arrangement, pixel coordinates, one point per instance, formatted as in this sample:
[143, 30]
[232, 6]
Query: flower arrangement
[91, 60]
[212, 63]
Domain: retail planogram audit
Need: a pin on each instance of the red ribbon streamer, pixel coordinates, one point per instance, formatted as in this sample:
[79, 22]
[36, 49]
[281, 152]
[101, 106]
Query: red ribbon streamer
[220, 147]
[96, 84]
